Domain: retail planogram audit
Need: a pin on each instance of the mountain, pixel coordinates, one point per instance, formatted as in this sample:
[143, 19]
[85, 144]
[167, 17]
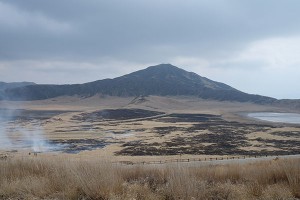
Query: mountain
[4, 86]
[162, 80]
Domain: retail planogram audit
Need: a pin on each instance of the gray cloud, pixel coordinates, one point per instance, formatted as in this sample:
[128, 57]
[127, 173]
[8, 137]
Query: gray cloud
[125, 28]
[106, 37]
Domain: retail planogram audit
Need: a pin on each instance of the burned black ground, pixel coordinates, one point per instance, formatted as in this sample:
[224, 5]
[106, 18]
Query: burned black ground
[77, 145]
[115, 114]
[9, 115]
[209, 135]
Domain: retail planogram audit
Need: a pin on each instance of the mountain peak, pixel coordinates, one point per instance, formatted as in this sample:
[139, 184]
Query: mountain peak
[163, 72]
[167, 68]
[163, 66]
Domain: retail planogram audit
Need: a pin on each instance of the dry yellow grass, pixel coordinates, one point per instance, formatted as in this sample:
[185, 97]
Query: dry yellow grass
[65, 179]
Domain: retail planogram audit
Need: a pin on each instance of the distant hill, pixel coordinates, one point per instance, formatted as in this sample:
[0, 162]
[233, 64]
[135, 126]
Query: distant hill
[161, 80]
[4, 86]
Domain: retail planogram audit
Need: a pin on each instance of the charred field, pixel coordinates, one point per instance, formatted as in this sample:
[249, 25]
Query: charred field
[98, 149]
[139, 131]
[223, 137]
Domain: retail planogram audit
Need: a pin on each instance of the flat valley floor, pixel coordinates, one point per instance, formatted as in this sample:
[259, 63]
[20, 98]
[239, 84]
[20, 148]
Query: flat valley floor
[147, 128]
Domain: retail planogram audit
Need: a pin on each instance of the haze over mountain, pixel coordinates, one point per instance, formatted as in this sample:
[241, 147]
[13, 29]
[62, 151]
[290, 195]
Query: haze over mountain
[161, 80]
[4, 86]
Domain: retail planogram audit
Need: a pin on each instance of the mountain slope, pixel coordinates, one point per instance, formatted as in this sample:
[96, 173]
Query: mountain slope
[4, 86]
[162, 80]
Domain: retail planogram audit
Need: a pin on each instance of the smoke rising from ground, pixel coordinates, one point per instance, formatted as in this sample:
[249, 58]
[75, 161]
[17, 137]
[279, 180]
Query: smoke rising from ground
[14, 134]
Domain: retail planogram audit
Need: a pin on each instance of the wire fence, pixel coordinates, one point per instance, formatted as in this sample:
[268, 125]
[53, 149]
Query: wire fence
[159, 161]
[188, 160]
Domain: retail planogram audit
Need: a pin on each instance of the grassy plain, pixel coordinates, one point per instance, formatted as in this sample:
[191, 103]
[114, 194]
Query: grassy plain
[57, 178]
[96, 132]
[155, 128]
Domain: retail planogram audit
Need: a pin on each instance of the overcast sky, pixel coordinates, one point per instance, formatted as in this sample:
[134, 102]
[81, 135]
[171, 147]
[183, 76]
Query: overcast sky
[252, 45]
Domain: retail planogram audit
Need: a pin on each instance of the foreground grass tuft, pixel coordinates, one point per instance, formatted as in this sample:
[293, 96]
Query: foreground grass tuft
[63, 179]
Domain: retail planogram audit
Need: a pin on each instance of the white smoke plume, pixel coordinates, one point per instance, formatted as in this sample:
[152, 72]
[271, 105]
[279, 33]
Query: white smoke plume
[15, 135]
[33, 138]
[5, 117]
[5, 142]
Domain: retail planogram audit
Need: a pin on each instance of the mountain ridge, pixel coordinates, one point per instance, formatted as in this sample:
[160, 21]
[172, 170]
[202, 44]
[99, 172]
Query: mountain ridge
[4, 85]
[161, 80]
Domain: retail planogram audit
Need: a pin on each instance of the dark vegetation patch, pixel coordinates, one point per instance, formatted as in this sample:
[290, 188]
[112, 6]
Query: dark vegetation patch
[78, 128]
[115, 114]
[294, 134]
[167, 130]
[77, 145]
[287, 145]
[123, 132]
[27, 115]
[175, 118]
[223, 137]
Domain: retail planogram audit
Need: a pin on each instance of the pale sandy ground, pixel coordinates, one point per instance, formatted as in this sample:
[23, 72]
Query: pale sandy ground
[59, 126]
